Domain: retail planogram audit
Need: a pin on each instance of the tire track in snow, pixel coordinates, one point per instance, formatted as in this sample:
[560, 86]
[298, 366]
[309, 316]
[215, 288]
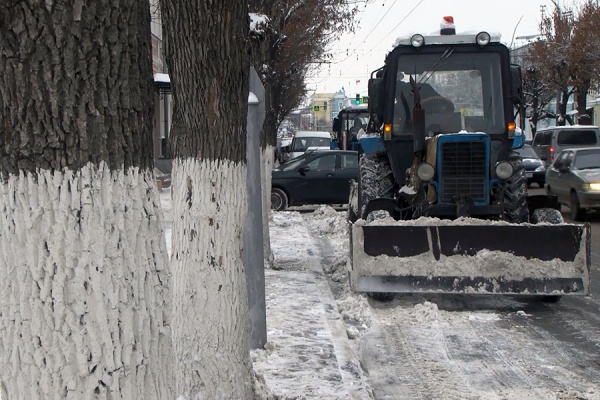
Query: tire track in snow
[551, 366]
[474, 355]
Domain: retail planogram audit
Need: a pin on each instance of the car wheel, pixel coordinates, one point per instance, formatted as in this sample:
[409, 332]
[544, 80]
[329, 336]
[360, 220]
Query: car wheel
[577, 213]
[547, 215]
[279, 200]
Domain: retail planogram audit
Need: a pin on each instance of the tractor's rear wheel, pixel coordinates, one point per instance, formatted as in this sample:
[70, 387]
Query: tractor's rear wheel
[515, 192]
[376, 180]
[353, 202]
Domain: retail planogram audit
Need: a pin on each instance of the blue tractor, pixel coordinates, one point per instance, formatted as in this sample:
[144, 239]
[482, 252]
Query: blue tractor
[441, 204]
[346, 126]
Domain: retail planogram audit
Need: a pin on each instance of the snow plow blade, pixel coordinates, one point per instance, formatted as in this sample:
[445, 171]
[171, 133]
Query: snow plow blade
[515, 259]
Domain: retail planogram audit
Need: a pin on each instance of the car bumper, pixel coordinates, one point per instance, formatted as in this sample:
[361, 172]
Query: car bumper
[589, 199]
[536, 176]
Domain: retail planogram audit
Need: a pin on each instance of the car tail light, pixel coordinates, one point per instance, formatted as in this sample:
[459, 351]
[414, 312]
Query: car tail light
[551, 153]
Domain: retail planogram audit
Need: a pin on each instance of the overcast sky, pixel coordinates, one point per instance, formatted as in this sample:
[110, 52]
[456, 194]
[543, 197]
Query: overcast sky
[382, 21]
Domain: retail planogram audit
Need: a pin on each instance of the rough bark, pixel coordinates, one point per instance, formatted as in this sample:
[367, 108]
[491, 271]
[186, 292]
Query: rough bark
[206, 47]
[75, 85]
[83, 283]
[84, 289]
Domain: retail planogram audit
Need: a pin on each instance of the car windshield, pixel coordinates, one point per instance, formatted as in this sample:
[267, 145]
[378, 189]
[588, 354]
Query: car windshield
[457, 91]
[301, 144]
[527, 152]
[587, 159]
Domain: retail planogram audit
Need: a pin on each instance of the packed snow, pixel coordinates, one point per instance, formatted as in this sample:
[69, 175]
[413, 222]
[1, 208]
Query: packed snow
[323, 337]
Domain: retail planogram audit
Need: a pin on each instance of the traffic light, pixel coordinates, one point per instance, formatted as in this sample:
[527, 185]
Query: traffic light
[357, 100]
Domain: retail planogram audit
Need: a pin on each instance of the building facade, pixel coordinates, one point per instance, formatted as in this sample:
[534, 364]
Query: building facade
[163, 105]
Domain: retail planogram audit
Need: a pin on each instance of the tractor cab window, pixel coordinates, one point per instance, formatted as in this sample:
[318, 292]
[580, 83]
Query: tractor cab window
[352, 123]
[457, 91]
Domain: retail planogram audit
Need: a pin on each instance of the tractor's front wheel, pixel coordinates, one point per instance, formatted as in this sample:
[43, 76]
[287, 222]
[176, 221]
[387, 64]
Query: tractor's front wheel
[515, 192]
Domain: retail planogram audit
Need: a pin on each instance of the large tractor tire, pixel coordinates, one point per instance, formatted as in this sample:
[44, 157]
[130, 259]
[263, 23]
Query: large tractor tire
[515, 192]
[353, 202]
[376, 180]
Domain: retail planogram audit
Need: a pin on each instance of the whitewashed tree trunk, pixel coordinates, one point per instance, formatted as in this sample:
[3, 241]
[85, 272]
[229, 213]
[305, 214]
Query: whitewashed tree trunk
[83, 280]
[84, 285]
[206, 45]
[209, 210]
[266, 158]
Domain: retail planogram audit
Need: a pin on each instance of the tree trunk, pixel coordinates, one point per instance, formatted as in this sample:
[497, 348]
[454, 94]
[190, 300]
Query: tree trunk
[581, 97]
[208, 65]
[84, 290]
[563, 117]
[267, 162]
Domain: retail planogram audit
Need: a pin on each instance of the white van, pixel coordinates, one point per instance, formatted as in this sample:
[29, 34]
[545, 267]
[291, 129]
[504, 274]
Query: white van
[308, 140]
[549, 142]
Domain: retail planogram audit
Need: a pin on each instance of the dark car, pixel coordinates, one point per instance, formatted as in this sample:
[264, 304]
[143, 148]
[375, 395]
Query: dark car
[534, 166]
[315, 177]
[575, 178]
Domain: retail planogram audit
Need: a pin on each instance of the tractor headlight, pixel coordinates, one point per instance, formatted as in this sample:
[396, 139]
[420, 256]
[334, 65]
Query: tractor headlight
[483, 38]
[417, 40]
[504, 170]
[425, 172]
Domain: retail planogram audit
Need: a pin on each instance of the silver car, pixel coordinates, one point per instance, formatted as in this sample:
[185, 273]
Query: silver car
[574, 177]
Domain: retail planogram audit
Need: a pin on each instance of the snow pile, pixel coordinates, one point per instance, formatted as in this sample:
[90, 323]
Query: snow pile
[355, 310]
[328, 221]
[426, 313]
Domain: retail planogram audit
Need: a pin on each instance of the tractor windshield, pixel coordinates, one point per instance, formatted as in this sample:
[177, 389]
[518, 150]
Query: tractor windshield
[354, 122]
[462, 91]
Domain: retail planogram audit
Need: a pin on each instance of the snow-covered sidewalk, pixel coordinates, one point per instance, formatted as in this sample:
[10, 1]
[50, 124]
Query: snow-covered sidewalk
[308, 354]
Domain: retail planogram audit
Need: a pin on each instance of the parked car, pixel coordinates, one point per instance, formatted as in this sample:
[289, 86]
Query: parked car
[315, 177]
[575, 178]
[307, 140]
[549, 142]
[534, 167]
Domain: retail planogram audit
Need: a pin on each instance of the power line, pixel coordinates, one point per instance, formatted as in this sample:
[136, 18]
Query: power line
[402, 20]
[377, 23]
[365, 39]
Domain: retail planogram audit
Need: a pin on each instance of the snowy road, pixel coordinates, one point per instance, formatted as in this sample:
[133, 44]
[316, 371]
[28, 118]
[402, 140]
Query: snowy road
[464, 347]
